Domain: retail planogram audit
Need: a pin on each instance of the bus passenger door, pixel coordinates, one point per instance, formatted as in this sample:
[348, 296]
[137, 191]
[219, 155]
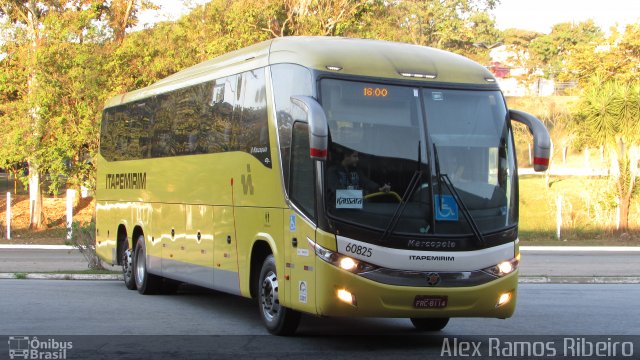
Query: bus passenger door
[225, 257]
[299, 223]
[299, 263]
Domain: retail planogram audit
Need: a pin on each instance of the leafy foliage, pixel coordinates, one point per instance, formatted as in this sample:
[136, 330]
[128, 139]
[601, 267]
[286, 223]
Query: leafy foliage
[565, 40]
[610, 114]
[83, 239]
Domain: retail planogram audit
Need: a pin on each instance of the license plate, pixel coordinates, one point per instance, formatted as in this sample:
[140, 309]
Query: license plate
[430, 302]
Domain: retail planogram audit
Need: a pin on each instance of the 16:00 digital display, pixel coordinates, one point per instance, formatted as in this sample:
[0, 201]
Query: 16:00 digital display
[375, 92]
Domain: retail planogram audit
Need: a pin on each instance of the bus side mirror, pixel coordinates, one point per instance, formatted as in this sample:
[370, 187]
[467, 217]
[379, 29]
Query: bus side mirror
[541, 138]
[318, 129]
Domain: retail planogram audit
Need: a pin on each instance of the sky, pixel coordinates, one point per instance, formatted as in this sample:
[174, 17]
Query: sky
[537, 15]
[541, 15]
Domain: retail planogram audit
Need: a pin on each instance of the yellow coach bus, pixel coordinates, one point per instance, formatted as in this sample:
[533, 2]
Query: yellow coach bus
[328, 176]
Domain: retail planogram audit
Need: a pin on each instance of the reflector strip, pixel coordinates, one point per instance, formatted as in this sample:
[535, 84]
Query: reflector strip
[541, 161]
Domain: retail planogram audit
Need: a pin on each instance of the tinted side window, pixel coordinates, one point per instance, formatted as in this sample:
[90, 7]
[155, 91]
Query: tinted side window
[223, 114]
[189, 103]
[288, 80]
[228, 114]
[163, 144]
[302, 186]
[125, 131]
[107, 143]
[253, 137]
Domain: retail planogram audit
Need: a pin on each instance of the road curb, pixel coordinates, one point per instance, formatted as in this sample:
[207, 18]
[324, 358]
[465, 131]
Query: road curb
[36, 247]
[579, 280]
[561, 248]
[39, 276]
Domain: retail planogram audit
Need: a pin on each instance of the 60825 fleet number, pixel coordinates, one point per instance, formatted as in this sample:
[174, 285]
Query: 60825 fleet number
[359, 249]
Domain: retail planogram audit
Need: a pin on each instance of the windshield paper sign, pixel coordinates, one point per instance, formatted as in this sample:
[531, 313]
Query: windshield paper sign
[446, 208]
[348, 199]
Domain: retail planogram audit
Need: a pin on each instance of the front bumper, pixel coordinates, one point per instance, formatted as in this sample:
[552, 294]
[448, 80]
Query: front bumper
[373, 299]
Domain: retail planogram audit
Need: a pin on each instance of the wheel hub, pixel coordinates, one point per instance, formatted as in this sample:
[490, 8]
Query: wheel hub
[127, 261]
[269, 296]
[140, 267]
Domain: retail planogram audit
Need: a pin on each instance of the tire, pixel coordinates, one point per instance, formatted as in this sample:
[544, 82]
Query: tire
[145, 282]
[127, 267]
[429, 324]
[276, 318]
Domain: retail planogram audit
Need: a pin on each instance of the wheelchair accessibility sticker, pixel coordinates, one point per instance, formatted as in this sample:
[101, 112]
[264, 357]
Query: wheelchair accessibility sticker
[446, 208]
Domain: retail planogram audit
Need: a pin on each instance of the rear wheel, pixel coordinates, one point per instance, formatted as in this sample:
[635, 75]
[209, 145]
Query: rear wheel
[429, 324]
[145, 282]
[127, 267]
[277, 319]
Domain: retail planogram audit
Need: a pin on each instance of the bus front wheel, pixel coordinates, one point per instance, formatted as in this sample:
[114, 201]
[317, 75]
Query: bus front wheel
[277, 319]
[429, 324]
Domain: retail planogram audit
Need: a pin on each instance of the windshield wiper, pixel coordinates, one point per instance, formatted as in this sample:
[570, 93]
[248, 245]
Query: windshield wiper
[465, 211]
[438, 175]
[411, 188]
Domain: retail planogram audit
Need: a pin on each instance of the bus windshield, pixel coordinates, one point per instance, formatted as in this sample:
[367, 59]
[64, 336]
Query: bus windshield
[385, 143]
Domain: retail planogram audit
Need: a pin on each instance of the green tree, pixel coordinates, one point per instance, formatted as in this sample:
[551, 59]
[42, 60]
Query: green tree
[517, 42]
[549, 52]
[52, 82]
[617, 58]
[610, 115]
[28, 20]
[454, 25]
[123, 15]
[307, 17]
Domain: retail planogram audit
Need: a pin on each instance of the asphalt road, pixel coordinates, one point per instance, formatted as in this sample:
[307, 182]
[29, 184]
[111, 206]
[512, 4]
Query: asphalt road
[107, 307]
[206, 324]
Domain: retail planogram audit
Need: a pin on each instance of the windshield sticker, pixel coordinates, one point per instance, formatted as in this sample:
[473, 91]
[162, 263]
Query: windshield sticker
[348, 199]
[446, 208]
[437, 96]
[415, 92]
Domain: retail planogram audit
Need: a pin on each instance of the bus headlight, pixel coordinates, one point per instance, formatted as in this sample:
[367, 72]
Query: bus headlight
[348, 263]
[503, 268]
[343, 262]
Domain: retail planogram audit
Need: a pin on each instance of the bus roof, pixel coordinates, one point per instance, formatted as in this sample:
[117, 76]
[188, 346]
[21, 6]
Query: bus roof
[359, 57]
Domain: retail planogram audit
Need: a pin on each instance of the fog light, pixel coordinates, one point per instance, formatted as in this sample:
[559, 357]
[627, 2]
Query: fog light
[347, 263]
[504, 298]
[346, 296]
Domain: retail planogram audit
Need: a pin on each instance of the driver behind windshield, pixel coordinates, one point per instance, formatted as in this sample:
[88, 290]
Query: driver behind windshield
[346, 175]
